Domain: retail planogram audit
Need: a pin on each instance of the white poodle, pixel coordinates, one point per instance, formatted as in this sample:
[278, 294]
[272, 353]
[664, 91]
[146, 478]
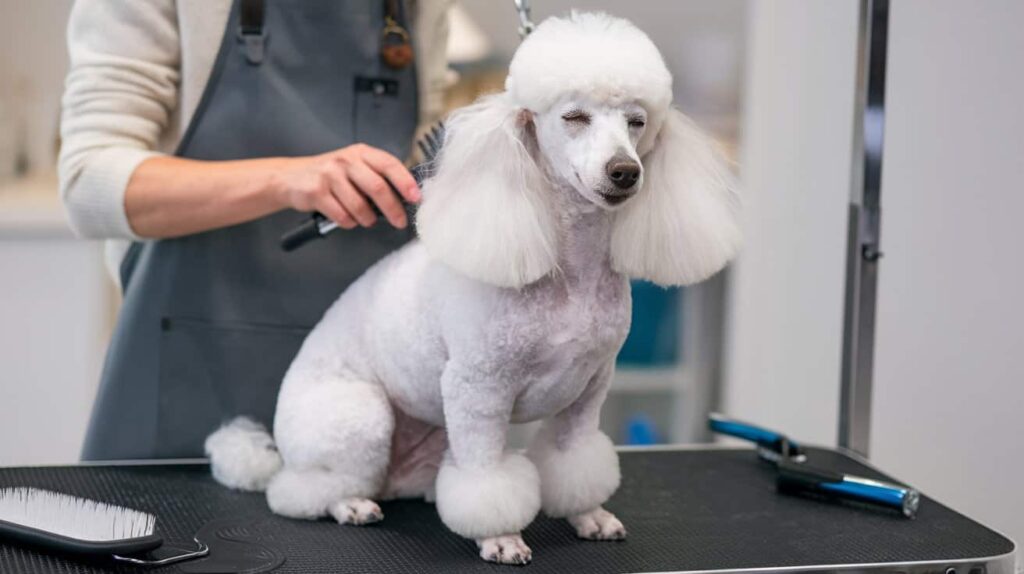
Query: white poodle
[511, 306]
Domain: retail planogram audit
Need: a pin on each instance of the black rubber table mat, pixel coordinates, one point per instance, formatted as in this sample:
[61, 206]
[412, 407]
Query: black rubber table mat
[684, 510]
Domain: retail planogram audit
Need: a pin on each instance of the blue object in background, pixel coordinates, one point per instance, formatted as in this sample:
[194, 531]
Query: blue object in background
[654, 337]
[640, 431]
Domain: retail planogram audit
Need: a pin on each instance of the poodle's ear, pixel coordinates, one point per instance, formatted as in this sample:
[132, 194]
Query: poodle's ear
[484, 211]
[682, 227]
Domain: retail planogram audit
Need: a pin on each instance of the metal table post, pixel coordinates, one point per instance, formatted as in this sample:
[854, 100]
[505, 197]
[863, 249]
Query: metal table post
[863, 247]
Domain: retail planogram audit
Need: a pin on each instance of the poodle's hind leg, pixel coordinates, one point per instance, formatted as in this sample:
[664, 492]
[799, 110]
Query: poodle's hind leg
[416, 452]
[314, 493]
[335, 440]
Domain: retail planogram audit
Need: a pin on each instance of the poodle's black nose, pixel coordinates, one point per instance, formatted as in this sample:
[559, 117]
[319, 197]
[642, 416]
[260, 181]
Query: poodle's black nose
[623, 172]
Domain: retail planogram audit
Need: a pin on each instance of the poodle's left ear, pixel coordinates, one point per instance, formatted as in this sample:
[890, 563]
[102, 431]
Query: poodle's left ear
[484, 210]
[683, 226]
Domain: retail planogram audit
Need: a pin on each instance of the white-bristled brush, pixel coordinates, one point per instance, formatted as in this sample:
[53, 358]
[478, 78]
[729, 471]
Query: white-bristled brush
[69, 524]
[318, 226]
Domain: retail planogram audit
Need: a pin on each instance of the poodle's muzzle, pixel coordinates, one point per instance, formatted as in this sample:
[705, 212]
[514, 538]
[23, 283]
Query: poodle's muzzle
[624, 173]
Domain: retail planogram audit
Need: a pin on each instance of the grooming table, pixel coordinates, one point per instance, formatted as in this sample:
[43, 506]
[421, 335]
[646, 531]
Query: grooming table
[686, 510]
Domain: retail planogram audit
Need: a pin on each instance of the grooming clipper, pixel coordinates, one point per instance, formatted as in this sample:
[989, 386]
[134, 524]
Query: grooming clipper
[771, 446]
[795, 476]
[800, 478]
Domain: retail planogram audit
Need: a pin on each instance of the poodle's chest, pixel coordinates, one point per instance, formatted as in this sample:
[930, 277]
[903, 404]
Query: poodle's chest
[574, 343]
[592, 326]
[572, 323]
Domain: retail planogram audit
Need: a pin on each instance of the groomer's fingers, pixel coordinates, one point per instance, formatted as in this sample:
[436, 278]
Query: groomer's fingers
[390, 167]
[336, 212]
[375, 187]
[352, 199]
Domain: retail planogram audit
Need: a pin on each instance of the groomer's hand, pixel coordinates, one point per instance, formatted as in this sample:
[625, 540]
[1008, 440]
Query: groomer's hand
[342, 185]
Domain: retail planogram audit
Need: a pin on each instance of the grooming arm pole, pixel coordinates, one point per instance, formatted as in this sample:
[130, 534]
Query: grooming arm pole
[864, 227]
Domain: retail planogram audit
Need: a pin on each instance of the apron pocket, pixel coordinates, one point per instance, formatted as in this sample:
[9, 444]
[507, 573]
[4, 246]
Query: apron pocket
[376, 108]
[213, 371]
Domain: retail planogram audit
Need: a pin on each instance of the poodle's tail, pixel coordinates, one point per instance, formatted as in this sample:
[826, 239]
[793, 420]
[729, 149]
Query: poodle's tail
[242, 455]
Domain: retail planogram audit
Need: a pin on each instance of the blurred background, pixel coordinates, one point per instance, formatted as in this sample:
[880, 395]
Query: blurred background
[774, 81]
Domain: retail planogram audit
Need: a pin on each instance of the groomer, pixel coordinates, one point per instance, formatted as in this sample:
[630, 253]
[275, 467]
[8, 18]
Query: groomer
[194, 132]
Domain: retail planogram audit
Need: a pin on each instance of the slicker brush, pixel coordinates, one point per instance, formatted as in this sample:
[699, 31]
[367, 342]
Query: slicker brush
[65, 524]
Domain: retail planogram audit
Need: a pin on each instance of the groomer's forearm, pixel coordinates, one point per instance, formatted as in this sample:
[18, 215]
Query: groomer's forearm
[172, 196]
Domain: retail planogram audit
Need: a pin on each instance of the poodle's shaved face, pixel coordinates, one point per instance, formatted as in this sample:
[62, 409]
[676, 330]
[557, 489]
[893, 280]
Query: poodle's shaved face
[591, 146]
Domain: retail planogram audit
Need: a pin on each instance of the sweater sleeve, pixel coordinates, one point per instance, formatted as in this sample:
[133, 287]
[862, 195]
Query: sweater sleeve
[119, 96]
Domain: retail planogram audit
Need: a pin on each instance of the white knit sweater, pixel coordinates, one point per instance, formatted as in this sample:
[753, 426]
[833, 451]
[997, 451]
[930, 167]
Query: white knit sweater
[138, 69]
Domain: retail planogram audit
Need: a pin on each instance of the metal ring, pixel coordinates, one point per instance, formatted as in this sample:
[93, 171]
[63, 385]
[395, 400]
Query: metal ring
[202, 551]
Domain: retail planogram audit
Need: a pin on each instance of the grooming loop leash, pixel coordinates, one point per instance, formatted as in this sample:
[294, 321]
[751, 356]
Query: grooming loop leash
[525, 23]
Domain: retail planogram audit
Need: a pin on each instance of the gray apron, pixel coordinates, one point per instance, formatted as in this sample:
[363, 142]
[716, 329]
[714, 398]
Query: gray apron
[210, 322]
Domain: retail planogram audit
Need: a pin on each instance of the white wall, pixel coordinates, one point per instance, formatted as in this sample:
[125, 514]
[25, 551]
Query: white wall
[785, 309]
[949, 383]
[949, 375]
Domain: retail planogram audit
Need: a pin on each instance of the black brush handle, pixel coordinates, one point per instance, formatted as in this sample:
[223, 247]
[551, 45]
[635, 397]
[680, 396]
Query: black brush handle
[302, 234]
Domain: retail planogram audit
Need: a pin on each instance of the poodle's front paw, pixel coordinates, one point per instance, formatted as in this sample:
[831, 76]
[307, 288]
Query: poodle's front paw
[507, 549]
[598, 524]
[357, 511]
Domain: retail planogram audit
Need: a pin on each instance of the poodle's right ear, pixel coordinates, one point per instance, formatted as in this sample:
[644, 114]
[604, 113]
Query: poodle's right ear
[484, 211]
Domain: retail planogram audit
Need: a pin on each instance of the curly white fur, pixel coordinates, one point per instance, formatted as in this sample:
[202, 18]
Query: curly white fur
[510, 308]
[576, 477]
[485, 502]
[245, 455]
[683, 226]
[591, 53]
[489, 222]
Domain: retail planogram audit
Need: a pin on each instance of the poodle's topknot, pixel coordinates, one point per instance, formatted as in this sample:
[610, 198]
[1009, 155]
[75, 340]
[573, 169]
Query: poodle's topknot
[590, 53]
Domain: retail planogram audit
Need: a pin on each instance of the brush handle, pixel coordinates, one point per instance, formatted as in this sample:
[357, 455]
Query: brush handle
[305, 233]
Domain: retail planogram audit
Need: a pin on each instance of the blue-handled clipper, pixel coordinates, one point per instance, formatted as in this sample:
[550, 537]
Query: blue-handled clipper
[797, 477]
[771, 446]
[800, 478]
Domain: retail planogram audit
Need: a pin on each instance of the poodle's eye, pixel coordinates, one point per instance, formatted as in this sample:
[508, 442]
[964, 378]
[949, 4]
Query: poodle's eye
[636, 122]
[577, 116]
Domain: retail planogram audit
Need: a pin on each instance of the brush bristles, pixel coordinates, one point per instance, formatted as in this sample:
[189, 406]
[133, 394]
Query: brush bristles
[73, 517]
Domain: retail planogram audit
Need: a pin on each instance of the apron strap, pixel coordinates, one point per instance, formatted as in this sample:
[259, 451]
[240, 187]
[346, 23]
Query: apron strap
[250, 29]
[395, 9]
[251, 17]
